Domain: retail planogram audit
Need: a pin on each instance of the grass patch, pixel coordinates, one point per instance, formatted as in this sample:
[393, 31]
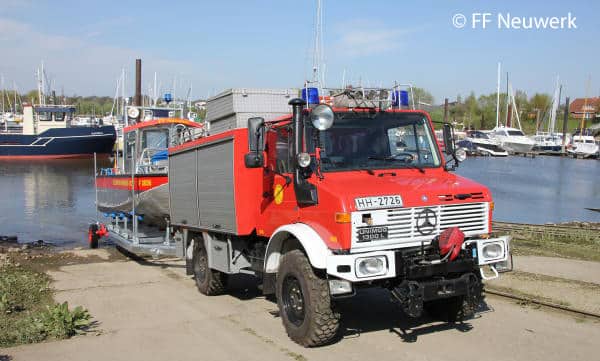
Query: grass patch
[28, 312]
[581, 248]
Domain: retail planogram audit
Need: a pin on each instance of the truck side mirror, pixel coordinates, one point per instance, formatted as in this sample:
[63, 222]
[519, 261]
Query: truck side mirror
[256, 143]
[448, 139]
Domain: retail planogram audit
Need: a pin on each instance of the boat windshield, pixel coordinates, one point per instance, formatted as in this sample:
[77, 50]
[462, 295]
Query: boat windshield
[479, 135]
[375, 141]
[516, 133]
[155, 138]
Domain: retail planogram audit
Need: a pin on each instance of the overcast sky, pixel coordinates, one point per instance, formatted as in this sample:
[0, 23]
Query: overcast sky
[215, 45]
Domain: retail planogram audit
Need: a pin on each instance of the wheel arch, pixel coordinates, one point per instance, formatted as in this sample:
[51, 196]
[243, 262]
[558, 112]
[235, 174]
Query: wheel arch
[308, 239]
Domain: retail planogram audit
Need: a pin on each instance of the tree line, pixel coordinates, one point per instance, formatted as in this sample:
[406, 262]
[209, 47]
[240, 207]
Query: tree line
[478, 112]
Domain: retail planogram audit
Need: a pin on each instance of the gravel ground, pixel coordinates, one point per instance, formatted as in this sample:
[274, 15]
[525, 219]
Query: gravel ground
[152, 311]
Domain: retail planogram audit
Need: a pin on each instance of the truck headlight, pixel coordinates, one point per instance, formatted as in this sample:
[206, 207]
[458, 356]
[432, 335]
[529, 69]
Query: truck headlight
[371, 266]
[492, 251]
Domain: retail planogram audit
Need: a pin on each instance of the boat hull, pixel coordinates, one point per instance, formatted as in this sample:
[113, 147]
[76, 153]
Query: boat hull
[151, 194]
[74, 142]
[516, 147]
[548, 149]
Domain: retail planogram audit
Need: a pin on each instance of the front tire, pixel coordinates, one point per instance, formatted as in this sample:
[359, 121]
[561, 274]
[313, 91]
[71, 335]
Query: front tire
[208, 281]
[304, 302]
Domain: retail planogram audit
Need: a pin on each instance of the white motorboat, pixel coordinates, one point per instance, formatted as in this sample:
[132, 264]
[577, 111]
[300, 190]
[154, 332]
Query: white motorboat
[481, 143]
[512, 139]
[549, 143]
[583, 145]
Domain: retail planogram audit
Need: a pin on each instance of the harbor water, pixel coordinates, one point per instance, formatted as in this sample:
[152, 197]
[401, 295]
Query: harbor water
[53, 201]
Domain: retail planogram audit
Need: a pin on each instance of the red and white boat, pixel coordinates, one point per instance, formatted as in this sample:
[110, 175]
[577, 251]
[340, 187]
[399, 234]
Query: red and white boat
[141, 174]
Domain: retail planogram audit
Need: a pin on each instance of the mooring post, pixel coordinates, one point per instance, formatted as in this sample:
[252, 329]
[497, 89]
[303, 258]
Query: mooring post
[446, 110]
[138, 83]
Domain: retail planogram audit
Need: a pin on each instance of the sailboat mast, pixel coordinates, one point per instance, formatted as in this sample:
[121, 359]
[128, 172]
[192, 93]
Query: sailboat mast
[498, 98]
[555, 101]
[515, 109]
[15, 90]
[123, 93]
[154, 91]
[2, 84]
[507, 101]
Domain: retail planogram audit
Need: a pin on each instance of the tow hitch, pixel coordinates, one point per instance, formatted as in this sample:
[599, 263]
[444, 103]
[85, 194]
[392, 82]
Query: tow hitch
[412, 294]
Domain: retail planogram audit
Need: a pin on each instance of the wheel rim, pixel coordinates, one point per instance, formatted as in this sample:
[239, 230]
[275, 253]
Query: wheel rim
[293, 300]
[200, 266]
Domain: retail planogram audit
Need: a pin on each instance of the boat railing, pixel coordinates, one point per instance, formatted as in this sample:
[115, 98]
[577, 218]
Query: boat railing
[153, 160]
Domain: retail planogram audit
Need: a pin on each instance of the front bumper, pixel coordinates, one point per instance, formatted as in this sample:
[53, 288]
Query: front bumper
[345, 266]
[412, 295]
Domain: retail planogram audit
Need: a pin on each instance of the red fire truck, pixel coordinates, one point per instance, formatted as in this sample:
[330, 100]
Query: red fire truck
[326, 201]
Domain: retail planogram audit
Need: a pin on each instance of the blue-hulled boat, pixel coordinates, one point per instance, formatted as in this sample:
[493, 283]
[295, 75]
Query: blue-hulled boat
[48, 133]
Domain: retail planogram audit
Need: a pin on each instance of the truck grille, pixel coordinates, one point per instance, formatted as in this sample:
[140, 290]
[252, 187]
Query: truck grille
[401, 223]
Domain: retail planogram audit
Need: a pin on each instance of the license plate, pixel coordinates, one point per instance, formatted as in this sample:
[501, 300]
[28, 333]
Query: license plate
[376, 233]
[378, 202]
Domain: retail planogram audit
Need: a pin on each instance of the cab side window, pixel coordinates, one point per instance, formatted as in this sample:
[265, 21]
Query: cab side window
[283, 147]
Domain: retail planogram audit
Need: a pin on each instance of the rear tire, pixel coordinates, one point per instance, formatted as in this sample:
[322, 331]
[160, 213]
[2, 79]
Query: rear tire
[93, 237]
[304, 302]
[208, 281]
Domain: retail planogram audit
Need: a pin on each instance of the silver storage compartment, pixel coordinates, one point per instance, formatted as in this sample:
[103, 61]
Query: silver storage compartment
[183, 198]
[215, 187]
[201, 187]
[232, 108]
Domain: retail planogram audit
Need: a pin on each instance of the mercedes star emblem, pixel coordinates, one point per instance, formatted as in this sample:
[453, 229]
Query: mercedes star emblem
[426, 221]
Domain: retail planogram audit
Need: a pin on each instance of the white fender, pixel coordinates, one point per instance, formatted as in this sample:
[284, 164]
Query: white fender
[313, 245]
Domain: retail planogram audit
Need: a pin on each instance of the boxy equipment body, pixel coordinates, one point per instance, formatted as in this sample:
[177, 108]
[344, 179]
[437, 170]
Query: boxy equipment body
[322, 202]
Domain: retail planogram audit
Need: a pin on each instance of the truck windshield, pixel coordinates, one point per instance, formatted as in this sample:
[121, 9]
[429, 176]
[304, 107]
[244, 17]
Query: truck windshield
[376, 141]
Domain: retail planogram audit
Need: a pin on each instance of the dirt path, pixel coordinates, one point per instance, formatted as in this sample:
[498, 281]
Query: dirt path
[571, 269]
[154, 312]
[561, 281]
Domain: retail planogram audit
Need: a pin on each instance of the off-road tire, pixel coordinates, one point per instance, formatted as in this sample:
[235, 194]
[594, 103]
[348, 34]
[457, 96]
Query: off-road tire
[320, 323]
[208, 281]
[93, 238]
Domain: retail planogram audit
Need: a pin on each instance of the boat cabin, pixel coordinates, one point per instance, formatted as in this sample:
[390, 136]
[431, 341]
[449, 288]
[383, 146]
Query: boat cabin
[146, 143]
[39, 118]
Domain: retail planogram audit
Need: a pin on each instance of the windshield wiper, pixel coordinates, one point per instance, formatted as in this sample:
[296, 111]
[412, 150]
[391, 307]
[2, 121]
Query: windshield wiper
[370, 171]
[391, 158]
[407, 165]
[415, 166]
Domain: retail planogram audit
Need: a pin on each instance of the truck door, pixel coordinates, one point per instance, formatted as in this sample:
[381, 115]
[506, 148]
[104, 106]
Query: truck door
[280, 205]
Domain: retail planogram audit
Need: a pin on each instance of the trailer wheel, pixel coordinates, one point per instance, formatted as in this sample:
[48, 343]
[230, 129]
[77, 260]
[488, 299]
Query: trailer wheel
[304, 302]
[93, 236]
[208, 281]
